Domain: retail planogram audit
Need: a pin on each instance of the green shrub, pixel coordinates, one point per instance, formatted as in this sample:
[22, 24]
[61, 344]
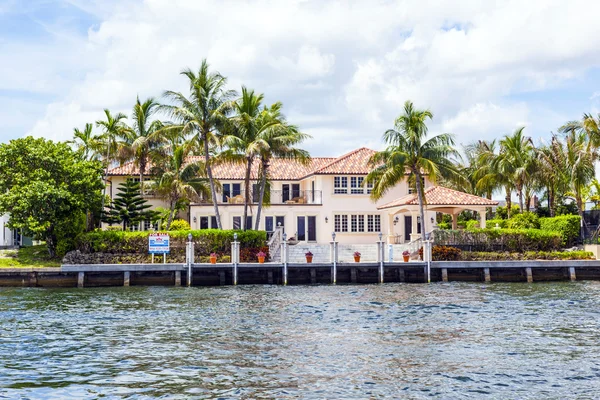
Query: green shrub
[527, 220]
[491, 223]
[567, 225]
[502, 212]
[472, 224]
[444, 225]
[529, 255]
[180, 225]
[491, 239]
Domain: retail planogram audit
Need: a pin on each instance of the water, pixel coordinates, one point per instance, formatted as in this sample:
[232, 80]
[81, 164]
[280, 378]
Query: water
[457, 340]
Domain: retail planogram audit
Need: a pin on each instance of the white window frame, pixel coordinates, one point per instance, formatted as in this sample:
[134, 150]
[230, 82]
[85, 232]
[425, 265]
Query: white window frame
[356, 223]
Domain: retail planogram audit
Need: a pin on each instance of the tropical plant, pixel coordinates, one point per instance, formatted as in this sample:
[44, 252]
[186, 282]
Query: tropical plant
[201, 114]
[88, 144]
[128, 208]
[410, 153]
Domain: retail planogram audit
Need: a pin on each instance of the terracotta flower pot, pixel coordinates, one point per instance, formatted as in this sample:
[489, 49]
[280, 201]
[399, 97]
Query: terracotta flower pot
[356, 258]
[309, 259]
[213, 260]
[406, 258]
[261, 260]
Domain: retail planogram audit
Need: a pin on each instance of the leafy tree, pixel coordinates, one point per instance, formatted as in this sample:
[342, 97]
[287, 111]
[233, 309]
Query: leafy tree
[128, 207]
[44, 185]
[201, 114]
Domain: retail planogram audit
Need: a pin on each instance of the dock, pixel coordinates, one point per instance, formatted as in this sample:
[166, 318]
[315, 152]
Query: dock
[99, 275]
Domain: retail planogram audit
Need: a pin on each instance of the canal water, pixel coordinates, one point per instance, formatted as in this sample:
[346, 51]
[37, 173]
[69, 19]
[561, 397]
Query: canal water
[456, 340]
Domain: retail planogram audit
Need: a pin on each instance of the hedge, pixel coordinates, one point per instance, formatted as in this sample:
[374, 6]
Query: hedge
[529, 255]
[567, 225]
[491, 239]
[491, 223]
[206, 241]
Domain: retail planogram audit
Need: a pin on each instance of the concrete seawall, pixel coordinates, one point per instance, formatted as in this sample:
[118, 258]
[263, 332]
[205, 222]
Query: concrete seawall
[89, 275]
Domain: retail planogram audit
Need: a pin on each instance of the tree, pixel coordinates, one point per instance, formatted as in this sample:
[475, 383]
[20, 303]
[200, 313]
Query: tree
[410, 154]
[179, 181]
[552, 171]
[201, 115]
[143, 135]
[128, 207]
[45, 185]
[87, 143]
[580, 164]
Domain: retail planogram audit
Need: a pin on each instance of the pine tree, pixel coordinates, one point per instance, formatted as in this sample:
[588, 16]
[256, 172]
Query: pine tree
[128, 207]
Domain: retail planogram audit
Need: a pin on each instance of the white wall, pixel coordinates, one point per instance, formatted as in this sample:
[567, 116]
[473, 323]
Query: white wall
[6, 235]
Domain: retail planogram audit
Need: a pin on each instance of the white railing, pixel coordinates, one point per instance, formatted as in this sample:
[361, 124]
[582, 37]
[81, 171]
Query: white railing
[274, 243]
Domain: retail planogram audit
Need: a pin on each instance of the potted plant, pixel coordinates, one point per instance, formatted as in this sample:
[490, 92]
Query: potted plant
[213, 258]
[406, 255]
[357, 256]
[261, 257]
[309, 256]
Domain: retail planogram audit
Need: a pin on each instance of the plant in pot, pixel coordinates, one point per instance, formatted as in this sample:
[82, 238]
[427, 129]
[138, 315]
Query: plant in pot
[406, 255]
[213, 258]
[261, 257]
[357, 256]
[309, 256]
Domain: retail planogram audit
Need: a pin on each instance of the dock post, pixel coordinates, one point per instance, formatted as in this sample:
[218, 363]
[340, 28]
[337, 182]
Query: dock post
[177, 278]
[401, 276]
[235, 258]
[270, 277]
[572, 275]
[529, 275]
[80, 279]
[335, 258]
[189, 259]
[313, 275]
[126, 278]
[353, 275]
[444, 274]
[381, 250]
[486, 274]
[284, 255]
[222, 278]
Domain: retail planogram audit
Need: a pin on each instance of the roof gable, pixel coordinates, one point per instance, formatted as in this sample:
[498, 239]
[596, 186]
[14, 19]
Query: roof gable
[441, 196]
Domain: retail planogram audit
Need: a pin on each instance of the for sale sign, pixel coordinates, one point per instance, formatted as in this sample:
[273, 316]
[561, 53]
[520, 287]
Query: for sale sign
[158, 243]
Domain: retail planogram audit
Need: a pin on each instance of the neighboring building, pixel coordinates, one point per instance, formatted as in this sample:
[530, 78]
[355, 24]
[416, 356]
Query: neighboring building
[309, 201]
[7, 236]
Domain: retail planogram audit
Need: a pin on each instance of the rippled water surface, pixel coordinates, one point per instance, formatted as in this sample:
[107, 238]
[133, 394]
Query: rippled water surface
[456, 340]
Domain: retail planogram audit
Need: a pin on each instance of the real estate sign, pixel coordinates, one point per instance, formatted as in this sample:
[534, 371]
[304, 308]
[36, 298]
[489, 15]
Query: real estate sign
[158, 243]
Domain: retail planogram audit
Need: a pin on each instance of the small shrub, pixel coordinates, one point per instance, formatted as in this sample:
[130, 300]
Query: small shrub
[567, 225]
[444, 225]
[527, 220]
[502, 212]
[308, 254]
[472, 224]
[445, 253]
[180, 225]
[490, 239]
[529, 255]
[357, 254]
[491, 223]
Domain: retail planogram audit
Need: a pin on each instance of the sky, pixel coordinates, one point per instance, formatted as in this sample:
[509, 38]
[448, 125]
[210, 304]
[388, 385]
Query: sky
[342, 69]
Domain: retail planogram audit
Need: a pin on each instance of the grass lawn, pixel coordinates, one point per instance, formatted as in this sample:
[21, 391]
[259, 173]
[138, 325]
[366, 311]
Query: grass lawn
[27, 257]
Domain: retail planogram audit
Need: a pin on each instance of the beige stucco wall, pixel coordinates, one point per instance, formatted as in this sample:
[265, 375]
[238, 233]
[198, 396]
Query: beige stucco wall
[332, 204]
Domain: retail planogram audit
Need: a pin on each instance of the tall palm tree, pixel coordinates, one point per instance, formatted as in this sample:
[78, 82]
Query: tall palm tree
[143, 135]
[114, 131]
[409, 151]
[552, 171]
[177, 179]
[580, 163]
[87, 142]
[278, 139]
[201, 115]
[516, 161]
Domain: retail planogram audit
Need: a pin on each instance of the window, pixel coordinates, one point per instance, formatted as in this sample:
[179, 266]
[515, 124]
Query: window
[340, 184]
[356, 185]
[357, 223]
[369, 187]
[208, 222]
[269, 224]
[344, 223]
[149, 225]
[203, 222]
[231, 190]
[361, 223]
[354, 223]
[237, 222]
[413, 187]
[248, 222]
[255, 192]
[337, 223]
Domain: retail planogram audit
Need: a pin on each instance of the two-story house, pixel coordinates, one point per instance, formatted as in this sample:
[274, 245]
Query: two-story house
[310, 202]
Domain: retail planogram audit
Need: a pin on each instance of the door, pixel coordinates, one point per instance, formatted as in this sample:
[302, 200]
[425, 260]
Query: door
[301, 228]
[312, 228]
[408, 226]
[285, 193]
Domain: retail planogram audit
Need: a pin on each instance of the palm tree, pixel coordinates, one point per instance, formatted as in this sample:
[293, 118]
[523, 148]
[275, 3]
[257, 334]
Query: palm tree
[409, 151]
[202, 114]
[178, 180]
[143, 135]
[87, 143]
[516, 161]
[115, 130]
[552, 171]
[580, 164]
[278, 139]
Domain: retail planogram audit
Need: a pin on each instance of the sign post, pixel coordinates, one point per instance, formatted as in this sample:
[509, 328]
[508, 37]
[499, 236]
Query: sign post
[159, 243]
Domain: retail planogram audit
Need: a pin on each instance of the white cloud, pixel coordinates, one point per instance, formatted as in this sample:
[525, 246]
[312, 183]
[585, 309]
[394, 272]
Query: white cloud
[343, 68]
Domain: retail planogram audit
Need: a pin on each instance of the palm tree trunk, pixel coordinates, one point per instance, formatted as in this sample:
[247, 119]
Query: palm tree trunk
[422, 214]
[211, 181]
[263, 184]
[247, 191]
[171, 212]
[520, 199]
[508, 202]
[551, 205]
[142, 171]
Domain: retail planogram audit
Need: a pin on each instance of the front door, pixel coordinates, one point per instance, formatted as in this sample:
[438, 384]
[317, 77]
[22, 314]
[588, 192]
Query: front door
[307, 228]
[407, 227]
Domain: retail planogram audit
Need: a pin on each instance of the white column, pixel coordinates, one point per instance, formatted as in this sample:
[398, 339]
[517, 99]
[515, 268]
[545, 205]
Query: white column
[454, 221]
[482, 219]
[413, 233]
[390, 229]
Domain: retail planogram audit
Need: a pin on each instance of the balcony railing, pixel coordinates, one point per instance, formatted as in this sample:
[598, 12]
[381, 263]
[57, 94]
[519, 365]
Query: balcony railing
[291, 197]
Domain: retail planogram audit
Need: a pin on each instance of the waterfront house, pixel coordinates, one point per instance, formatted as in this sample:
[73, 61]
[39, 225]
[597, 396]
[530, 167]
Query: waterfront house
[310, 202]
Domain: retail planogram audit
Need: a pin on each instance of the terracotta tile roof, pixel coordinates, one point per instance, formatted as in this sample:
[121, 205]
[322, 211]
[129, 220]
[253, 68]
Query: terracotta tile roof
[439, 195]
[280, 169]
[354, 163]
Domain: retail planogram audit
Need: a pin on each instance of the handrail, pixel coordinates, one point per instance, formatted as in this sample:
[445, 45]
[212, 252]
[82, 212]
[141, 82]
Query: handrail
[274, 243]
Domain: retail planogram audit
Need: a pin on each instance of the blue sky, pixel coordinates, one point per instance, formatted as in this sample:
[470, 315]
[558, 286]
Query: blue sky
[341, 69]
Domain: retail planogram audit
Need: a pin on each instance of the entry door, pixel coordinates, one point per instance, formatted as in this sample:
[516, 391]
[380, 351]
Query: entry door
[307, 228]
[408, 226]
